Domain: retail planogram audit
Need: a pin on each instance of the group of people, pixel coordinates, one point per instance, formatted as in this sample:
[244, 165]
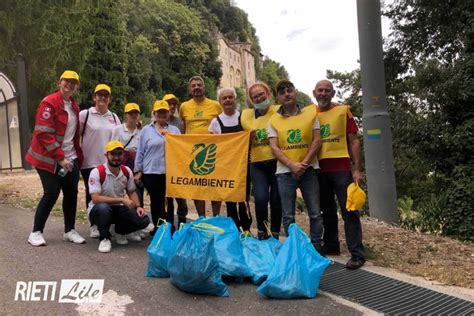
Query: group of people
[292, 147]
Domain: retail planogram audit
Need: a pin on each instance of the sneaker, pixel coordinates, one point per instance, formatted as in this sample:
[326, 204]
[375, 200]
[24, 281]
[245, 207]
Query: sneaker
[262, 235]
[94, 232]
[355, 263]
[332, 251]
[36, 239]
[142, 233]
[121, 239]
[319, 249]
[73, 236]
[105, 245]
[135, 236]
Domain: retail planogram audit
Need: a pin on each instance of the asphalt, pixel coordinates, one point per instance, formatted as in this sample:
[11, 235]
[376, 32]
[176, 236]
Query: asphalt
[126, 289]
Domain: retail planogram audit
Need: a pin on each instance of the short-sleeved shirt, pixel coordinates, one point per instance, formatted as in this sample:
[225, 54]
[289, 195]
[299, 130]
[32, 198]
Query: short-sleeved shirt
[198, 116]
[122, 134]
[341, 164]
[113, 186]
[273, 133]
[98, 133]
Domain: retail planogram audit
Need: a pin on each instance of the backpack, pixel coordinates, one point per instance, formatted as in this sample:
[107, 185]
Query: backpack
[102, 174]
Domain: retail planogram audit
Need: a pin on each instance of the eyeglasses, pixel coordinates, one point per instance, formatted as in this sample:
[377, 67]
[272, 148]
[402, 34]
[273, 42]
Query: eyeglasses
[258, 95]
[285, 89]
[321, 90]
[102, 94]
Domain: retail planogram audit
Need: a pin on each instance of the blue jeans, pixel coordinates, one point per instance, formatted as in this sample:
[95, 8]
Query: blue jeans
[265, 189]
[336, 183]
[308, 184]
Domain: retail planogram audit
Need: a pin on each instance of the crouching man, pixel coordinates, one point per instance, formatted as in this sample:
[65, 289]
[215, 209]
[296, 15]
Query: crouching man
[114, 200]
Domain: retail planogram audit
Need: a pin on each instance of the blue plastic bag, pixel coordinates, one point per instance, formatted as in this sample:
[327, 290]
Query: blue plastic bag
[297, 269]
[228, 248]
[193, 264]
[159, 252]
[260, 256]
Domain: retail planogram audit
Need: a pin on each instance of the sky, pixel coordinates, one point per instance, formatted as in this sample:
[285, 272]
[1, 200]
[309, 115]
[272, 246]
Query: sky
[307, 37]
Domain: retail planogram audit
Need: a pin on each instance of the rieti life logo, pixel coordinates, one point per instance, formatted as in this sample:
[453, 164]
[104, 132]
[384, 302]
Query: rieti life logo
[204, 161]
[325, 130]
[294, 136]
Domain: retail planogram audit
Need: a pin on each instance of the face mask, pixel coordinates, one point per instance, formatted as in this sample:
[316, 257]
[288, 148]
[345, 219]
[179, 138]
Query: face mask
[262, 105]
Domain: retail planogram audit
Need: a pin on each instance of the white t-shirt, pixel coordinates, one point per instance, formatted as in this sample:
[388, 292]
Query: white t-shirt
[98, 133]
[122, 134]
[282, 168]
[227, 120]
[113, 186]
[68, 142]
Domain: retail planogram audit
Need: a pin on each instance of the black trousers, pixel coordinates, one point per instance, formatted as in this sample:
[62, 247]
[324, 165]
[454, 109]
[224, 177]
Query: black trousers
[336, 183]
[53, 184]
[182, 207]
[155, 184]
[242, 217]
[126, 220]
[85, 176]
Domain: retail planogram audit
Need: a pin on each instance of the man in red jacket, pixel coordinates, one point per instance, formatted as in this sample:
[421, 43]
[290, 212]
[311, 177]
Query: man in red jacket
[56, 154]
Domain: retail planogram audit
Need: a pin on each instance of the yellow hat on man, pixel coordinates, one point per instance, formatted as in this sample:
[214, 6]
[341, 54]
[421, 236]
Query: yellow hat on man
[161, 105]
[356, 197]
[112, 145]
[170, 96]
[69, 74]
[102, 87]
[129, 107]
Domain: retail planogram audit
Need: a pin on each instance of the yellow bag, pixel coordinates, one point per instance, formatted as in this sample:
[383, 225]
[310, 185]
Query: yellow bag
[355, 197]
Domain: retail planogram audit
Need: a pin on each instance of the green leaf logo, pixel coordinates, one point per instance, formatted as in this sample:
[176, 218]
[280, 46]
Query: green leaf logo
[198, 114]
[204, 162]
[294, 136]
[325, 130]
[261, 135]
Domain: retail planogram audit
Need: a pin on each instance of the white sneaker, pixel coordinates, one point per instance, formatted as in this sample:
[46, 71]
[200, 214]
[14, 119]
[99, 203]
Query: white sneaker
[73, 236]
[105, 245]
[135, 236]
[36, 239]
[142, 233]
[121, 239]
[94, 232]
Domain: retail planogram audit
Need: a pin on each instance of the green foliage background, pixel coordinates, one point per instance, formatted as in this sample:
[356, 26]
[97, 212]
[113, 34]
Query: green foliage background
[142, 48]
[429, 68]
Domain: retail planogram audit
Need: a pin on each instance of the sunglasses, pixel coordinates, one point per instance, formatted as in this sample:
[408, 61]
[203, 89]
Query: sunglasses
[102, 94]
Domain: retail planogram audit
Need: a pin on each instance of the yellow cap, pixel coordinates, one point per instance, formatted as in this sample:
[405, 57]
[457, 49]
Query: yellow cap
[355, 197]
[131, 107]
[161, 105]
[113, 144]
[69, 74]
[104, 87]
[170, 97]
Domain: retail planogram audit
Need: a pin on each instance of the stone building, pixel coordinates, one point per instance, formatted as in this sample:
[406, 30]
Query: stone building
[237, 63]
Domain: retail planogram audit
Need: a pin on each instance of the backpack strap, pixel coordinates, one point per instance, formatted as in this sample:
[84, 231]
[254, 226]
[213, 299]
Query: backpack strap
[102, 174]
[85, 124]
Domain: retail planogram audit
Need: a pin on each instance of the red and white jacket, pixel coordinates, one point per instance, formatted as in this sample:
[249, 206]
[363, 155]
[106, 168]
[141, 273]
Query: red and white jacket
[50, 126]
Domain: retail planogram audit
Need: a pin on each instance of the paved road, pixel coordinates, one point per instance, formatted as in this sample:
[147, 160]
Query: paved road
[126, 288]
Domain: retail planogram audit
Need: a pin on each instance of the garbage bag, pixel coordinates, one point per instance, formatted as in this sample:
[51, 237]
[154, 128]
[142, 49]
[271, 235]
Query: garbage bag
[193, 264]
[159, 252]
[260, 256]
[228, 248]
[297, 269]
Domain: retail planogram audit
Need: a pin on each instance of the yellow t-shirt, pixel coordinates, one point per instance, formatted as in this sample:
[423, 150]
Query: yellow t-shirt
[260, 150]
[295, 133]
[198, 116]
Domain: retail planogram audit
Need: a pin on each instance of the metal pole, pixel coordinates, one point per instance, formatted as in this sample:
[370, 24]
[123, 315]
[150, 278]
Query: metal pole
[23, 111]
[376, 121]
